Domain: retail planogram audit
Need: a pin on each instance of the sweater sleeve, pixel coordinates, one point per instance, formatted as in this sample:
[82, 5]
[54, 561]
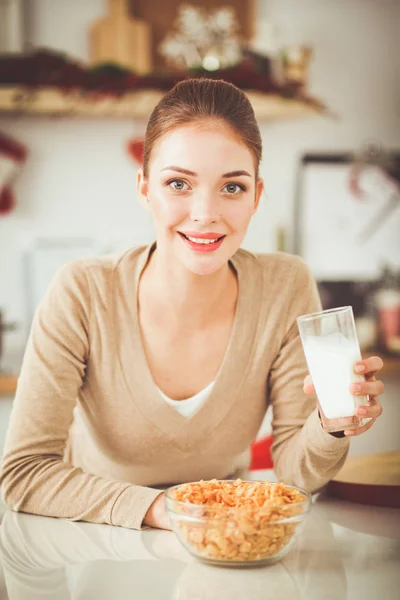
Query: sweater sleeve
[303, 453]
[34, 476]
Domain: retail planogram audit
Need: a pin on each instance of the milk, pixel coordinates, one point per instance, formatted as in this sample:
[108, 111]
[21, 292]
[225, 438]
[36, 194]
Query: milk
[331, 359]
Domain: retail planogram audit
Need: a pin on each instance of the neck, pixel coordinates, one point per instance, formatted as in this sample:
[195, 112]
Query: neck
[184, 297]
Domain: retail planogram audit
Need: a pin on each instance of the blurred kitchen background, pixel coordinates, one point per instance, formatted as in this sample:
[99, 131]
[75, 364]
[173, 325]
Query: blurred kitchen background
[78, 79]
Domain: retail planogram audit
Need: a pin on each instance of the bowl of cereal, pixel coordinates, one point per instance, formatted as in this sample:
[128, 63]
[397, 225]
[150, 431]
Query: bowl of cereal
[237, 523]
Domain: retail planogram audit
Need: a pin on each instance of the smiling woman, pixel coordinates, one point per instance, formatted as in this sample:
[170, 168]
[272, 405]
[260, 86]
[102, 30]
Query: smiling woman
[157, 366]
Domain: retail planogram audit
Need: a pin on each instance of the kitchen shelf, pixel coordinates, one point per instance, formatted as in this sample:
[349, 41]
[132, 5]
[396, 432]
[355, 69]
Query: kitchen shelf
[139, 104]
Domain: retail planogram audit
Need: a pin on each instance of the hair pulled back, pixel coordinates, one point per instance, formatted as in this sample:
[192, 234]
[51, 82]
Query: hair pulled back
[202, 99]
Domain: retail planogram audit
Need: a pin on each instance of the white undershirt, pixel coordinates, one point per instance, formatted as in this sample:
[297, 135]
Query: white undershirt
[191, 405]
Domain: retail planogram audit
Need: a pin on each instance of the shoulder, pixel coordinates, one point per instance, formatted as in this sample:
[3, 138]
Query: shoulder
[284, 286]
[282, 276]
[80, 284]
[278, 265]
[86, 279]
[99, 268]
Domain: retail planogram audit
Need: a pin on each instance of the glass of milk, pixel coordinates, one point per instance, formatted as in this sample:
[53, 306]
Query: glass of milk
[331, 349]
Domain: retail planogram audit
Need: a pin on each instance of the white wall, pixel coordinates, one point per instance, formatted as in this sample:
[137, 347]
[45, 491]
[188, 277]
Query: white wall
[79, 180]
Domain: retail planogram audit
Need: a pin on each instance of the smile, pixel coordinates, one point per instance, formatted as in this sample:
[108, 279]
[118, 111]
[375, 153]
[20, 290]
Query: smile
[203, 244]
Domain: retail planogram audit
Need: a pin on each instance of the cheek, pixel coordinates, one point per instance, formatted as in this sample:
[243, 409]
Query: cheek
[240, 214]
[166, 210]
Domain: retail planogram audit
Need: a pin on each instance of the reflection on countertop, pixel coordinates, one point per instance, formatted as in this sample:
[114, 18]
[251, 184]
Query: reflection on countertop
[345, 551]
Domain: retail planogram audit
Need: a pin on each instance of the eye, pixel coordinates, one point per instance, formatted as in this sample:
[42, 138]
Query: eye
[177, 185]
[234, 189]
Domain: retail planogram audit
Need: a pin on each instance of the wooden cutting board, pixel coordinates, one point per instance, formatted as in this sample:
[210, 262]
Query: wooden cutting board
[373, 479]
[120, 39]
[8, 384]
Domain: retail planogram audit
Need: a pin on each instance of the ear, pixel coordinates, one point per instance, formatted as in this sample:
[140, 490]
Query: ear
[259, 191]
[142, 189]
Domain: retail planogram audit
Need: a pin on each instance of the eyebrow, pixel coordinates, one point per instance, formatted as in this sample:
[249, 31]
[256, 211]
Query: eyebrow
[192, 174]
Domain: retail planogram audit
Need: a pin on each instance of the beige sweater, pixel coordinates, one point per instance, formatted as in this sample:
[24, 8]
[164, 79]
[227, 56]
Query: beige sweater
[90, 436]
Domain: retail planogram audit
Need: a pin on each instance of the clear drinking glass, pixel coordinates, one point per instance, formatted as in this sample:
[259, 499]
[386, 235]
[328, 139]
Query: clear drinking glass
[331, 349]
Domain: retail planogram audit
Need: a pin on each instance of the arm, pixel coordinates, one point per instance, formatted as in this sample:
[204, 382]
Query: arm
[34, 476]
[303, 453]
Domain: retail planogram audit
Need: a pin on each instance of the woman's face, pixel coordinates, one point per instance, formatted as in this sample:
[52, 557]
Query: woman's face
[202, 192]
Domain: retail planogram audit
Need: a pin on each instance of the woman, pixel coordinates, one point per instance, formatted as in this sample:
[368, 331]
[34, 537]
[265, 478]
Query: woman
[157, 366]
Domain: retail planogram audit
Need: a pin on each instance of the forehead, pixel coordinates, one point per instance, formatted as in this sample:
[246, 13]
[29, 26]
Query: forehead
[202, 148]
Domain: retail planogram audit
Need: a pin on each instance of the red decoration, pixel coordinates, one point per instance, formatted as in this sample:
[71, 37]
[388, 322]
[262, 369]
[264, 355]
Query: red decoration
[261, 454]
[7, 201]
[354, 183]
[136, 150]
[12, 156]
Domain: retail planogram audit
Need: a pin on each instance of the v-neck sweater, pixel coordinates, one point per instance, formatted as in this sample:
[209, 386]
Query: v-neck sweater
[90, 437]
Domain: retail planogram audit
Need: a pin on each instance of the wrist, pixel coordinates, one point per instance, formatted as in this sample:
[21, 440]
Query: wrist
[156, 514]
[336, 434]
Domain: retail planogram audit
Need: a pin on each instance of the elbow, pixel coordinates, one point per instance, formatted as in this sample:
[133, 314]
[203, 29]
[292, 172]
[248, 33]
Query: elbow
[17, 485]
[26, 482]
[310, 474]
[10, 501]
[10, 487]
[283, 473]
[9, 495]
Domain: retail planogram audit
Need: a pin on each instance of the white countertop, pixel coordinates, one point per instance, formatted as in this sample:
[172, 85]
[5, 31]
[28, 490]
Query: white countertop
[346, 551]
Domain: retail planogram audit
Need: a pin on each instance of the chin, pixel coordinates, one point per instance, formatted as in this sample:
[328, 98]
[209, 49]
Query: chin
[204, 265]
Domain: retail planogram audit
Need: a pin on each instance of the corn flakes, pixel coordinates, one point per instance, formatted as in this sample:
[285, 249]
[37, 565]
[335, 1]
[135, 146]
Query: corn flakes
[238, 521]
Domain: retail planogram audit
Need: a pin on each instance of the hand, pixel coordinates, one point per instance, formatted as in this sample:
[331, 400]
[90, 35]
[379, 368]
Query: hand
[156, 516]
[371, 387]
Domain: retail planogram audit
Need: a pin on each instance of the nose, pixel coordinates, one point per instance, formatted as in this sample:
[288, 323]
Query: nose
[205, 209]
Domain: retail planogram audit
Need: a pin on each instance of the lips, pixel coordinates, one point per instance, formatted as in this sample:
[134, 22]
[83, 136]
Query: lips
[202, 242]
[209, 235]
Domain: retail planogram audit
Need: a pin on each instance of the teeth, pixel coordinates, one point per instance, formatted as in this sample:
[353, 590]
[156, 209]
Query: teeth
[201, 240]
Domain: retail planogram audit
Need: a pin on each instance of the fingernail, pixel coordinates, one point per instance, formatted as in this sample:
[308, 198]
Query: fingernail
[361, 411]
[356, 387]
[359, 368]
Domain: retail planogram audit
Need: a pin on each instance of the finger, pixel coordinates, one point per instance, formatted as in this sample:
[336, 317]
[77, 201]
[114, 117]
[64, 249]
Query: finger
[360, 430]
[374, 410]
[371, 365]
[370, 388]
[308, 387]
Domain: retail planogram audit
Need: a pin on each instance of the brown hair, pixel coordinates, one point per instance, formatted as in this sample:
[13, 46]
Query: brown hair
[194, 100]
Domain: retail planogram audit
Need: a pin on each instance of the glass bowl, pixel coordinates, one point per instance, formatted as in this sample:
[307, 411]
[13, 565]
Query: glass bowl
[238, 536]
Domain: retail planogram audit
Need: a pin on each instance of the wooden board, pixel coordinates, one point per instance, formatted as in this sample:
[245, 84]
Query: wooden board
[161, 15]
[373, 479]
[120, 39]
[8, 384]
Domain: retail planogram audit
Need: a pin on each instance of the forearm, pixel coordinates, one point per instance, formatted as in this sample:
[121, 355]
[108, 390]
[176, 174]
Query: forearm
[309, 457]
[47, 486]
